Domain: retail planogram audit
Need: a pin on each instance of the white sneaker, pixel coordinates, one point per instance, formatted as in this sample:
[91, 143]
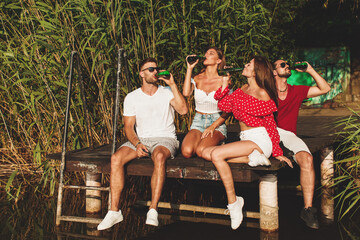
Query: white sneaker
[111, 218]
[258, 159]
[236, 214]
[152, 217]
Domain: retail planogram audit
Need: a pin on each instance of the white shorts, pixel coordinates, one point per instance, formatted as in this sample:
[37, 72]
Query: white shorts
[292, 142]
[259, 136]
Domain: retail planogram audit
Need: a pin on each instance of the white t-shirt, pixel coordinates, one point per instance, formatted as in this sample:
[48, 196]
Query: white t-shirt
[154, 114]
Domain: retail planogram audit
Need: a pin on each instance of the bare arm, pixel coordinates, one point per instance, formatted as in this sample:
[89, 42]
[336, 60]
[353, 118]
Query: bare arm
[129, 123]
[225, 81]
[321, 87]
[178, 102]
[188, 87]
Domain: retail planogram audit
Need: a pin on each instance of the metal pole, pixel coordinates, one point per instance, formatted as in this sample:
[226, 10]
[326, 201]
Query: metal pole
[62, 165]
[117, 99]
[86, 112]
[127, 73]
[116, 110]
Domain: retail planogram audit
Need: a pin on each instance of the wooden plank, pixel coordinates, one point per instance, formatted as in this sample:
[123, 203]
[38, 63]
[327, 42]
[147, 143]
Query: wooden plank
[196, 208]
[179, 167]
[98, 159]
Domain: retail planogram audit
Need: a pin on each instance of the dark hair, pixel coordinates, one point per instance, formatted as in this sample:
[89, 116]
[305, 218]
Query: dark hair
[274, 63]
[265, 77]
[146, 60]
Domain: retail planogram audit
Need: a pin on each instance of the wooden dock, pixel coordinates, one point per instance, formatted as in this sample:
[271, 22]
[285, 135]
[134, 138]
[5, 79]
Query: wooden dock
[97, 160]
[316, 131]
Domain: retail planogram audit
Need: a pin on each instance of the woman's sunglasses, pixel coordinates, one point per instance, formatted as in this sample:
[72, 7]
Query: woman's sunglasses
[151, 69]
[283, 64]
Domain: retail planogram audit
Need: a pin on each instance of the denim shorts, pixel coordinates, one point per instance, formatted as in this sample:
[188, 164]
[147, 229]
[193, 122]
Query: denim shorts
[203, 121]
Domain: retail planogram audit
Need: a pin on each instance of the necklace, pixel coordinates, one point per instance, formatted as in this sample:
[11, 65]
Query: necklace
[284, 89]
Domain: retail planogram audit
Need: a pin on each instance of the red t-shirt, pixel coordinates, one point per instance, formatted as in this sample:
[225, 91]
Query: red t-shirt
[288, 109]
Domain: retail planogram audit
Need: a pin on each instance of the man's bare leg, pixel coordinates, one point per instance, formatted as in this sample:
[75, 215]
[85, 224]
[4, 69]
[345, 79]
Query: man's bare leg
[117, 176]
[307, 181]
[307, 176]
[159, 157]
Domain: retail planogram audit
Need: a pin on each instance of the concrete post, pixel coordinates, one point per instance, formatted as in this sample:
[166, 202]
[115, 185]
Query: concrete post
[269, 211]
[327, 179]
[93, 197]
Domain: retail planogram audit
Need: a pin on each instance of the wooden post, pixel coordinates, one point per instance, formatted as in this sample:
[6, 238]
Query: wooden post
[327, 174]
[269, 211]
[269, 235]
[93, 197]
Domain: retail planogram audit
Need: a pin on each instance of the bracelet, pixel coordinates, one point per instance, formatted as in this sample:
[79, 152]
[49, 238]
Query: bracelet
[137, 144]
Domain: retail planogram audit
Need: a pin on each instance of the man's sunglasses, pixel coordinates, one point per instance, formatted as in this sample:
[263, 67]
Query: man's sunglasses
[283, 64]
[151, 69]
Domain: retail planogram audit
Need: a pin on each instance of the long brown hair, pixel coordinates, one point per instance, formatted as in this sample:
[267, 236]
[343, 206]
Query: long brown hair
[264, 77]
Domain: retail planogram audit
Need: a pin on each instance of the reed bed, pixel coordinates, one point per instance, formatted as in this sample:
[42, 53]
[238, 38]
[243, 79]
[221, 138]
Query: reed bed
[36, 40]
[37, 37]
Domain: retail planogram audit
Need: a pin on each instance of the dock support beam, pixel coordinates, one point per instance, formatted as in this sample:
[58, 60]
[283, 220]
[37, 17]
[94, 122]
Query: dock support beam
[327, 179]
[93, 197]
[269, 211]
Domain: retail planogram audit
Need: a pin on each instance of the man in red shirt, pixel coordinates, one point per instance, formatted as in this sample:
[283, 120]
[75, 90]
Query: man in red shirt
[290, 99]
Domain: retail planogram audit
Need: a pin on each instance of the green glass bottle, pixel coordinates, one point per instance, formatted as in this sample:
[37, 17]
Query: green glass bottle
[223, 72]
[300, 66]
[165, 74]
[192, 59]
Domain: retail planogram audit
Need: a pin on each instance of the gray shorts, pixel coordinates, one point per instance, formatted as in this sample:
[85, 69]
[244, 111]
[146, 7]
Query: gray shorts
[172, 144]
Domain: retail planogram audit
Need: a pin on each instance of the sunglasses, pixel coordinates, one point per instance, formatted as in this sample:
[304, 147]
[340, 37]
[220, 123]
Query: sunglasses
[151, 69]
[283, 64]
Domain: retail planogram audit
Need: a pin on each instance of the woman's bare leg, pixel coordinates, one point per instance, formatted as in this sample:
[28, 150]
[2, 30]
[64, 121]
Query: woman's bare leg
[220, 154]
[190, 143]
[208, 142]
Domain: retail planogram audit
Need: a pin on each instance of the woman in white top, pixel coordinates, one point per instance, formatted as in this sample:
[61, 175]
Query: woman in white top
[205, 129]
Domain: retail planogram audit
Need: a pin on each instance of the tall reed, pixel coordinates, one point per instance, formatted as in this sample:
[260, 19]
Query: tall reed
[348, 165]
[37, 37]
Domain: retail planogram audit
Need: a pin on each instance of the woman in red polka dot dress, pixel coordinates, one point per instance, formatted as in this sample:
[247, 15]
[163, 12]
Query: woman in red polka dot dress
[253, 105]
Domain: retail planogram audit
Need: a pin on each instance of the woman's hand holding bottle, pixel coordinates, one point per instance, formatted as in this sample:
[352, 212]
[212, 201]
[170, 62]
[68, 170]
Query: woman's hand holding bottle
[191, 64]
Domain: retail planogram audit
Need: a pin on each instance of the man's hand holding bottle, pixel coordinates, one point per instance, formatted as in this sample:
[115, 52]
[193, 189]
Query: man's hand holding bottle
[166, 76]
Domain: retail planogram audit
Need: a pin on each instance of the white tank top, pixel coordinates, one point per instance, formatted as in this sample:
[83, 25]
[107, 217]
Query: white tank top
[205, 102]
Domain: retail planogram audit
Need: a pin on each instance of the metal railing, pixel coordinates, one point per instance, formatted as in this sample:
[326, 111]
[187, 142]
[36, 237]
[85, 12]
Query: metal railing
[75, 60]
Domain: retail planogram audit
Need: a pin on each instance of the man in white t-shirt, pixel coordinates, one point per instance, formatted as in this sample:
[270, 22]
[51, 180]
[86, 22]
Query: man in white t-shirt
[150, 109]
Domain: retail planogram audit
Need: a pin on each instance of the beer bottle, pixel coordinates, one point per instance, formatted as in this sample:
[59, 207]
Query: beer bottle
[192, 59]
[223, 72]
[165, 74]
[300, 66]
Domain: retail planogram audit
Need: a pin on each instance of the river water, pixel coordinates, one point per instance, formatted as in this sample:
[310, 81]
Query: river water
[33, 215]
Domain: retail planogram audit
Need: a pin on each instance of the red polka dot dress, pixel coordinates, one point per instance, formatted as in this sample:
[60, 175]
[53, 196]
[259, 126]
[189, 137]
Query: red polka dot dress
[252, 111]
